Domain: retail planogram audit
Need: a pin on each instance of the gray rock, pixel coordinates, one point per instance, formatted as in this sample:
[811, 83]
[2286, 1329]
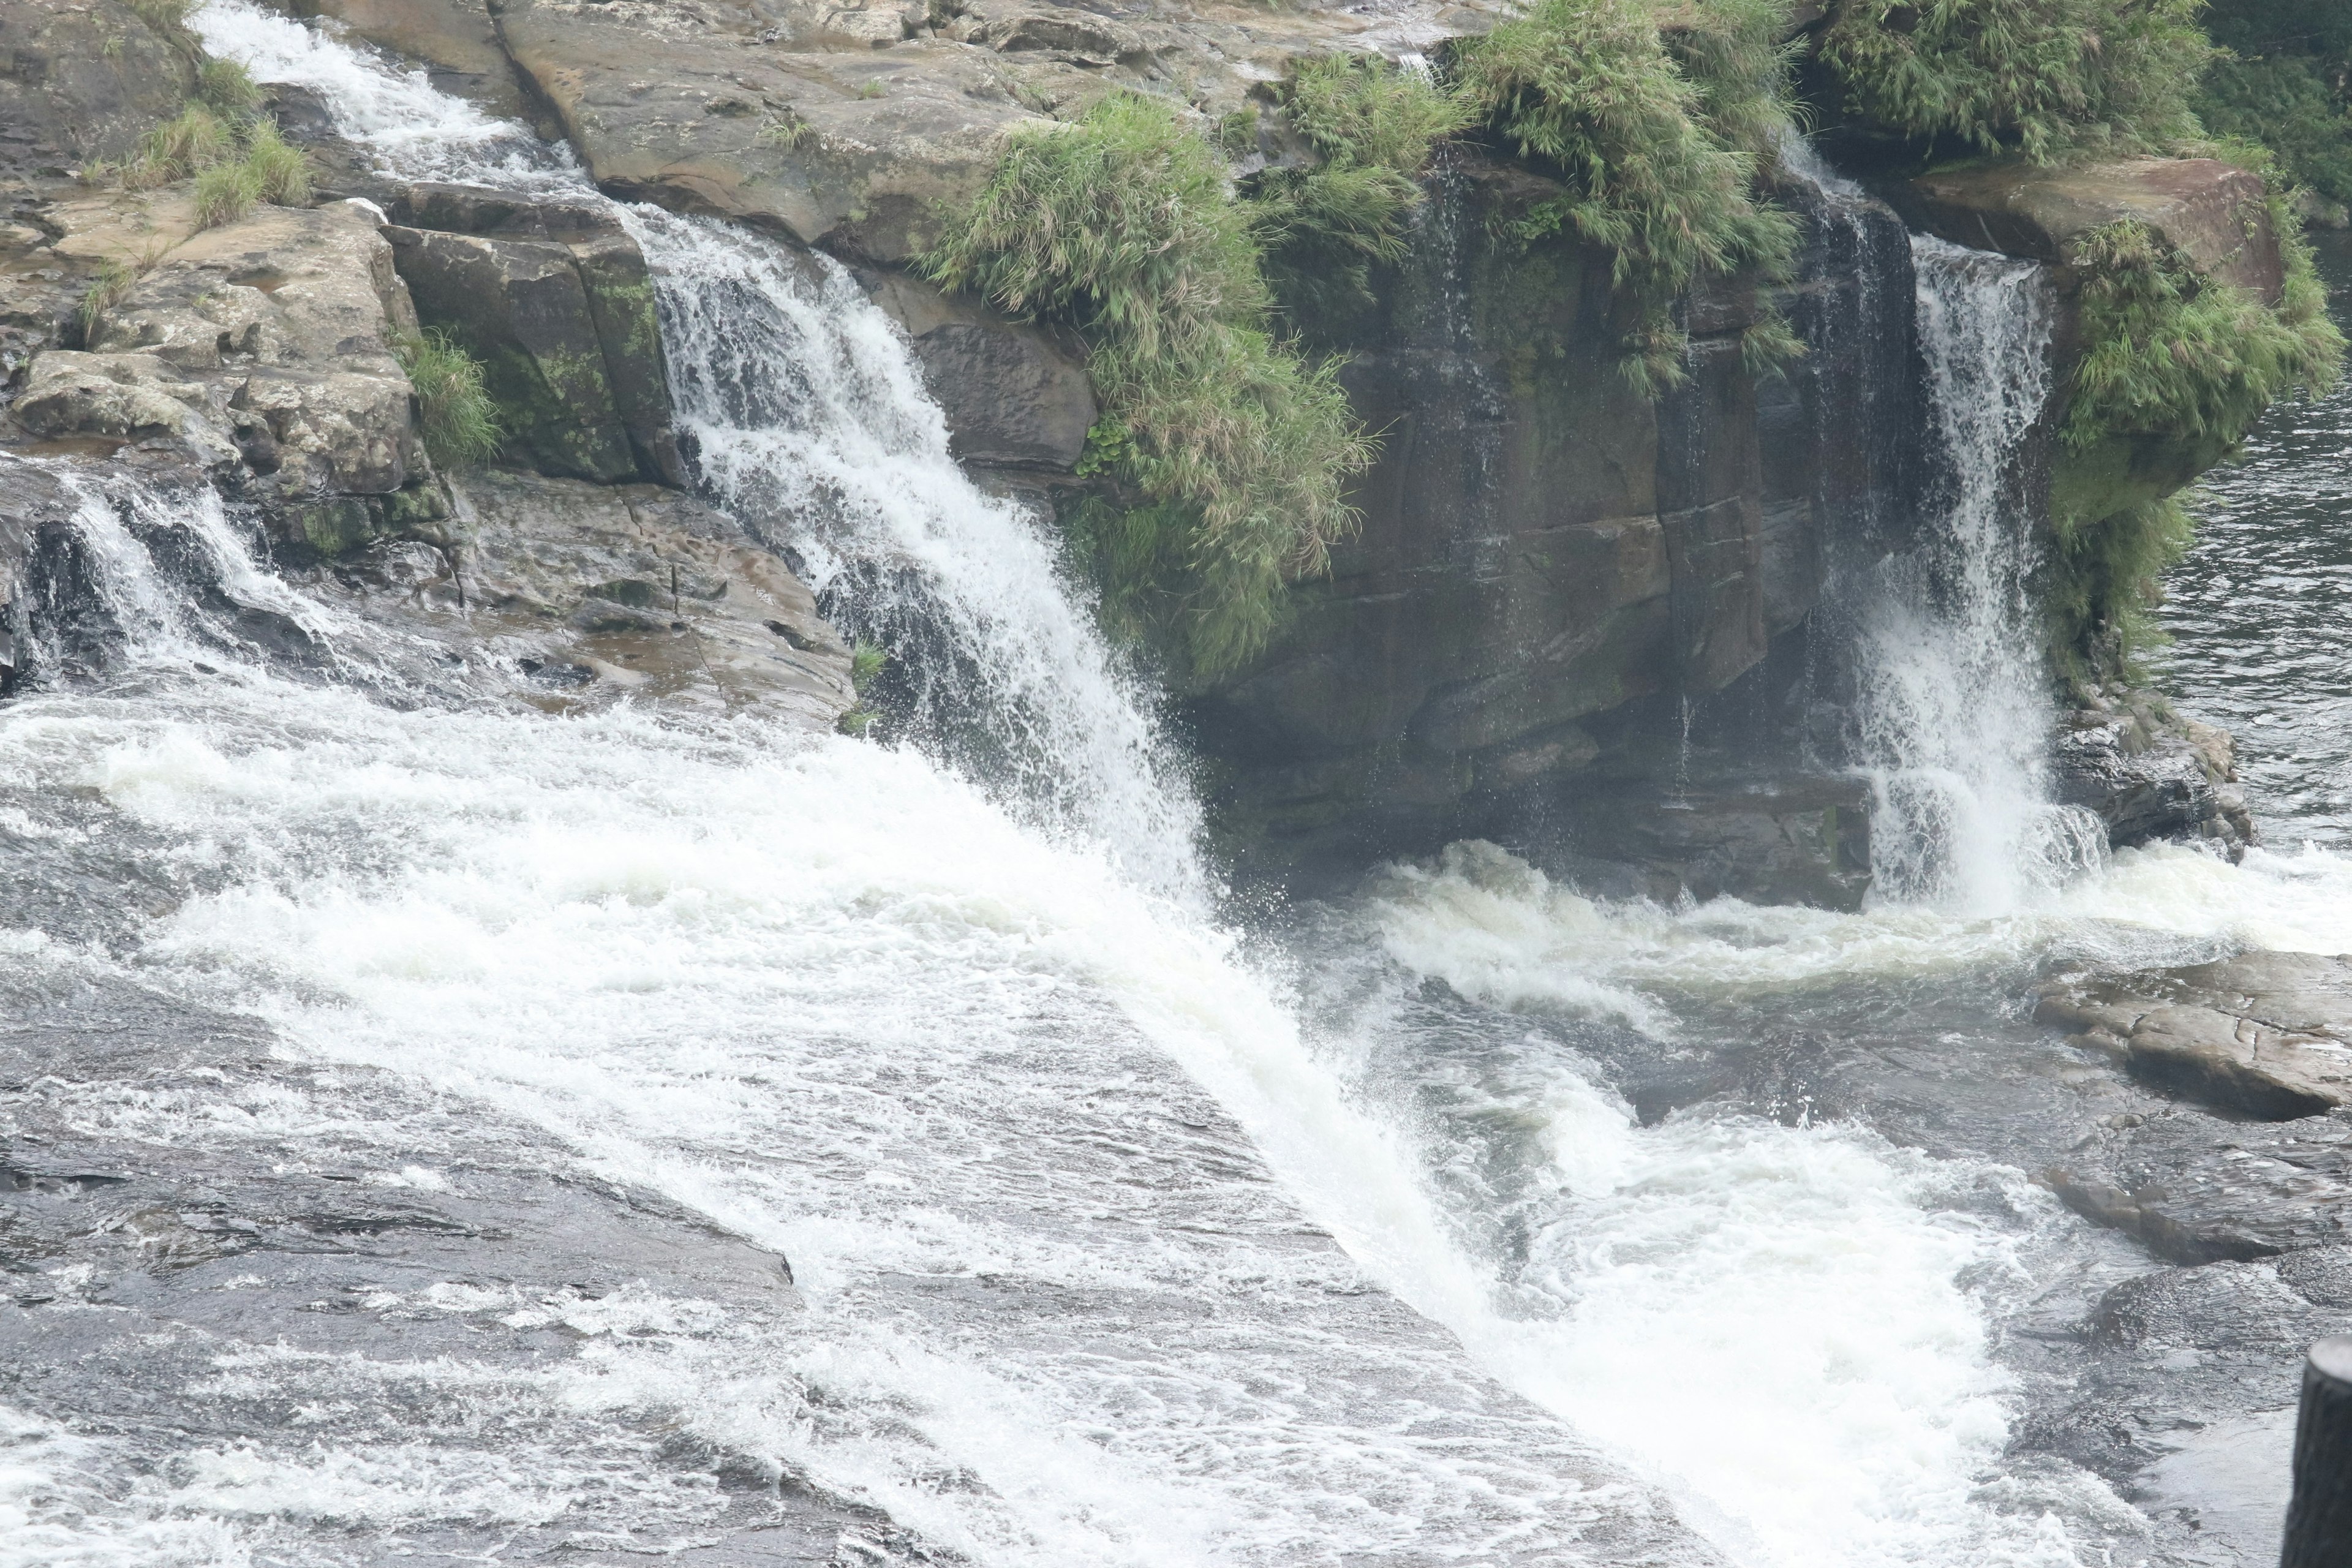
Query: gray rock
[2198, 1189]
[2266, 1035]
[264, 350]
[2151, 775]
[1013, 394]
[81, 82]
[2212, 210]
[576, 594]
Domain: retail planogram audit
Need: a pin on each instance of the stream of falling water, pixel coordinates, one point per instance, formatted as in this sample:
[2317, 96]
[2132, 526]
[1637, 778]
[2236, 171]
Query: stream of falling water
[1053, 1151]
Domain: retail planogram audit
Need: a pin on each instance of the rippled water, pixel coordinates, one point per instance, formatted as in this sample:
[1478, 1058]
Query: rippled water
[2260, 611]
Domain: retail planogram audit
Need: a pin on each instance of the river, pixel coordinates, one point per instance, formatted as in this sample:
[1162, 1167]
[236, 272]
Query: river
[1103, 1204]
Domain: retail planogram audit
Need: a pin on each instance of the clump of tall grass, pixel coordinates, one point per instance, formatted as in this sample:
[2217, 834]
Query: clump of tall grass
[2169, 352]
[459, 419]
[1660, 161]
[1234, 449]
[2043, 78]
[1322, 228]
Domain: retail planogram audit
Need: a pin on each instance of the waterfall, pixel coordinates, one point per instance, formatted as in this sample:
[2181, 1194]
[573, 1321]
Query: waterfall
[1954, 713]
[810, 422]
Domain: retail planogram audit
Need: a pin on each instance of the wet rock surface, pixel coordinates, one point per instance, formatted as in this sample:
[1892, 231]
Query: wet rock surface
[2267, 1035]
[262, 349]
[553, 298]
[204, 1288]
[2198, 1189]
[586, 593]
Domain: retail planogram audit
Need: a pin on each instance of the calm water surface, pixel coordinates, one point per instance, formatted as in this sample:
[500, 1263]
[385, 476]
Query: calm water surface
[2261, 612]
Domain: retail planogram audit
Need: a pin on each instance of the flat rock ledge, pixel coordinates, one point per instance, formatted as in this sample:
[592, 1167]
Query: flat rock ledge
[2265, 1035]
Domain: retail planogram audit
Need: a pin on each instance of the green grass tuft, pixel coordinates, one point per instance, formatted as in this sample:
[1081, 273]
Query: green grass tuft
[2043, 78]
[1322, 228]
[1660, 162]
[281, 174]
[191, 141]
[460, 422]
[112, 286]
[2168, 352]
[1234, 450]
[226, 192]
[227, 87]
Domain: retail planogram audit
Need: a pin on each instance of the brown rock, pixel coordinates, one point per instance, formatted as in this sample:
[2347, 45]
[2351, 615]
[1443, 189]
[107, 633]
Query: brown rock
[2212, 210]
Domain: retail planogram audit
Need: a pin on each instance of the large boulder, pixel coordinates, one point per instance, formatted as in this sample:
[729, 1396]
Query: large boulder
[264, 349]
[2150, 774]
[555, 300]
[81, 83]
[2198, 1189]
[716, 109]
[2214, 212]
[2266, 1035]
[1013, 394]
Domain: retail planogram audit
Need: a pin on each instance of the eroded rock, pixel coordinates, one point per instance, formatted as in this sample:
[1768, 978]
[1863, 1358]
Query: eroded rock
[556, 301]
[585, 594]
[2212, 211]
[2198, 1189]
[2267, 1034]
[264, 350]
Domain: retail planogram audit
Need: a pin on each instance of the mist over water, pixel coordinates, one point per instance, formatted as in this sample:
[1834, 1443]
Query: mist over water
[1059, 1157]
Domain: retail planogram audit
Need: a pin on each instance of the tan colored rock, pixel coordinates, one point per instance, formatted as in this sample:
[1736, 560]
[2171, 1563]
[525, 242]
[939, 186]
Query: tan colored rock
[2212, 211]
[264, 348]
[2268, 1034]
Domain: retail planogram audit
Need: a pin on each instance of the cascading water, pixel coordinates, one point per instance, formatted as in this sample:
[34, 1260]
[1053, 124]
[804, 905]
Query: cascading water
[1954, 711]
[1042, 1146]
[810, 421]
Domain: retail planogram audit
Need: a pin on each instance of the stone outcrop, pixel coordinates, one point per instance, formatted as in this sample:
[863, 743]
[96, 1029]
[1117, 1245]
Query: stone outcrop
[1015, 394]
[575, 594]
[1555, 573]
[2266, 1035]
[263, 348]
[80, 84]
[2151, 773]
[2196, 1189]
[2212, 212]
[554, 299]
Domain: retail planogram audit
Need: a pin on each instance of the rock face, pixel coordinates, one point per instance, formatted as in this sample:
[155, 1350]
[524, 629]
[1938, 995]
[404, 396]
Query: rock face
[2151, 773]
[555, 299]
[263, 348]
[1552, 566]
[80, 83]
[2267, 1035]
[2196, 1189]
[576, 594]
[1014, 396]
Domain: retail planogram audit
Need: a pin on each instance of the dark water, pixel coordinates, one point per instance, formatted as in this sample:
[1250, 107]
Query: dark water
[2261, 612]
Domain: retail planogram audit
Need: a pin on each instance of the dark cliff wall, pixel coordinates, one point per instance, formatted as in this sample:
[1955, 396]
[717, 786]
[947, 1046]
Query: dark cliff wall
[1569, 604]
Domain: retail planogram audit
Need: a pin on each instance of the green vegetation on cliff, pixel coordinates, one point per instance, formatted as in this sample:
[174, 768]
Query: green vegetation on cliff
[1659, 147]
[2041, 77]
[2175, 369]
[2286, 82]
[1235, 448]
[1322, 228]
